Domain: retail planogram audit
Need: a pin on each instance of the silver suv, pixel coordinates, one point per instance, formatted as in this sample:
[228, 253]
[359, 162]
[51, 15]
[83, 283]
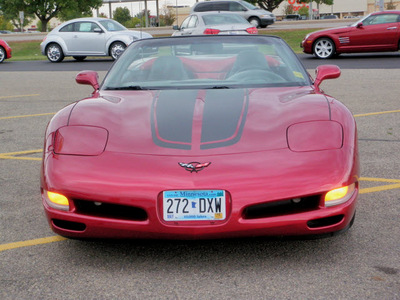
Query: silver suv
[256, 16]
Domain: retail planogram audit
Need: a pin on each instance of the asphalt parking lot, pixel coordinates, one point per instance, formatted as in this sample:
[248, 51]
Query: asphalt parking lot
[363, 263]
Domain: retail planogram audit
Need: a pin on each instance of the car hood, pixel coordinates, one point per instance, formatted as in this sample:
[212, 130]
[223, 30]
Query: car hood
[338, 30]
[199, 122]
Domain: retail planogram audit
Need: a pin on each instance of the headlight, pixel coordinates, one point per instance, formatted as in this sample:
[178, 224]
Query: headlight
[339, 195]
[315, 136]
[56, 200]
[80, 140]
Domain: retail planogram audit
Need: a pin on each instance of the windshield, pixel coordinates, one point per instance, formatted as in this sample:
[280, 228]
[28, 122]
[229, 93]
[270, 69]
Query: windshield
[207, 62]
[111, 25]
[221, 19]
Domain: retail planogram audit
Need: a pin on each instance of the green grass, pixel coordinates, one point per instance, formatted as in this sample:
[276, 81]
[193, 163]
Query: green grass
[30, 50]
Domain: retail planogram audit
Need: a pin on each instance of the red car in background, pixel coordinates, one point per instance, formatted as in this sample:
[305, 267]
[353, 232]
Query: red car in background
[5, 51]
[377, 32]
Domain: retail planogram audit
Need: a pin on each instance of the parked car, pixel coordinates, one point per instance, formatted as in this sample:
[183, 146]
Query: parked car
[377, 32]
[293, 17]
[84, 37]
[214, 23]
[5, 51]
[184, 142]
[329, 17]
[256, 16]
[5, 32]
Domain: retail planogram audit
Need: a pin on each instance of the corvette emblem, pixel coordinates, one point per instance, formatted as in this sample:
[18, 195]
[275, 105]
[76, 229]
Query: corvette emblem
[194, 166]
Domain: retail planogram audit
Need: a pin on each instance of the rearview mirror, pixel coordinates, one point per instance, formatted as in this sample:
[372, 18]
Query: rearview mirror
[88, 77]
[324, 72]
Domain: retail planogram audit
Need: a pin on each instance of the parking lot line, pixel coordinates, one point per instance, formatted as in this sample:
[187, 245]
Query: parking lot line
[19, 96]
[377, 113]
[34, 242]
[15, 155]
[26, 116]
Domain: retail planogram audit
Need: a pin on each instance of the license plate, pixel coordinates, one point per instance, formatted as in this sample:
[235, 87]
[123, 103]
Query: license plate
[194, 205]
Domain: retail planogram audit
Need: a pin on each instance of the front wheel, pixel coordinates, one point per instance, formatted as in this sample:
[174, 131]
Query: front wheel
[54, 53]
[2, 54]
[255, 22]
[116, 49]
[324, 48]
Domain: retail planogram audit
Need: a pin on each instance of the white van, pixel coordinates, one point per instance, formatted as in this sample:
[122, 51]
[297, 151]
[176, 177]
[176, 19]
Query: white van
[256, 16]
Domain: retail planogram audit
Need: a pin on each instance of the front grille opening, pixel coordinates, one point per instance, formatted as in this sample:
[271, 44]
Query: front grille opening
[74, 226]
[111, 211]
[281, 208]
[323, 222]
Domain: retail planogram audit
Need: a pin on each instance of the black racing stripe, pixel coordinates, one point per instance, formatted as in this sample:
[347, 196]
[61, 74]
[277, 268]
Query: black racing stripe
[172, 118]
[224, 112]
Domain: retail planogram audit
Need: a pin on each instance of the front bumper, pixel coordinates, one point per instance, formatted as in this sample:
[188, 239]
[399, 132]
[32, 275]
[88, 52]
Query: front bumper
[267, 21]
[120, 183]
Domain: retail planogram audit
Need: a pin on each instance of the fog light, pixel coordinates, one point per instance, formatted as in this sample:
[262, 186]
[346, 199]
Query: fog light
[57, 201]
[339, 195]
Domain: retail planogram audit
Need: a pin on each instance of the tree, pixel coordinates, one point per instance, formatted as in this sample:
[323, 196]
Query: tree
[269, 5]
[288, 10]
[122, 15]
[167, 17]
[10, 10]
[390, 5]
[79, 11]
[45, 10]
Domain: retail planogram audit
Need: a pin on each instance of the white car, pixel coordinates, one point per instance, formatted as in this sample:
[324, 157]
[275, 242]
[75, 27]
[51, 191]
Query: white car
[214, 23]
[84, 37]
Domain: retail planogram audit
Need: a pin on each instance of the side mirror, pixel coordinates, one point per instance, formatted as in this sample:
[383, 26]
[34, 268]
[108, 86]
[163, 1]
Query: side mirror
[98, 30]
[88, 77]
[175, 27]
[325, 72]
[359, 25]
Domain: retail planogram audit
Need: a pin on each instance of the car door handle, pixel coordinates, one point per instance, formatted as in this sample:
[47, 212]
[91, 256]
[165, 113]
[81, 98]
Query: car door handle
[391, 28]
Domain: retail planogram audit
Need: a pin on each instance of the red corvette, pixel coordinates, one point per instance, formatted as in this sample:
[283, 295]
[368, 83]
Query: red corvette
[202, 137]
[377, 32]
[5, 51]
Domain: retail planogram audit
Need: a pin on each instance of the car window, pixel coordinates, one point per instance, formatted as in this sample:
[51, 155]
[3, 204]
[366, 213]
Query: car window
[185, 23]
[68, 28]
[86, 26]
[219, 19]
[248, 5]
[220, 6]
[381, 19]
[234, 6]
[193, 22]
[111, 25]
[203, 7]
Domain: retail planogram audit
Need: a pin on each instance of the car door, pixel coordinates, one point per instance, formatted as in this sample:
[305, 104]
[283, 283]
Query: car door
[375, 33]
[88, 38]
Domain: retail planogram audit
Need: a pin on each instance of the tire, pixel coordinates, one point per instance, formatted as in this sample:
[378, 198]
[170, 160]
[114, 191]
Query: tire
[79, 58]
[54, 53]
[255, 22]
[2, 54]
[116, 49]
[324, 48]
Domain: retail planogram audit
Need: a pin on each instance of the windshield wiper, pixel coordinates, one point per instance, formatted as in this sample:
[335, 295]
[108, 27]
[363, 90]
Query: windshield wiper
[126, 88]
[217, 87]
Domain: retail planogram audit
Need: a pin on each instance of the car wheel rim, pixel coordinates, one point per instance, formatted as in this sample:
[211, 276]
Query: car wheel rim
[2, 55]
[324, 49]
[254, 22]
[117, 50]
[54, 53]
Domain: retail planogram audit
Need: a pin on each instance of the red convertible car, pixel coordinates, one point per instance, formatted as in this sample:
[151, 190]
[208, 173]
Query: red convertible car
[5, 51]
[377, 32]
[202, 137]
